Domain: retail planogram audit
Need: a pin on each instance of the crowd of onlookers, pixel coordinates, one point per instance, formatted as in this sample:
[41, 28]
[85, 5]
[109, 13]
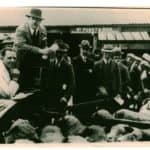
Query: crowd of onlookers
[92, 74]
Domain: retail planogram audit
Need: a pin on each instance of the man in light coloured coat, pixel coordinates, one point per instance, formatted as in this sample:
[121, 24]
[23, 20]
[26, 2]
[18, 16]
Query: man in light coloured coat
[31, 45]
[8, 74]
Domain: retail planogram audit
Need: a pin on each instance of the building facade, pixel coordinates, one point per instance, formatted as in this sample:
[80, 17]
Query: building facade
[131, 37]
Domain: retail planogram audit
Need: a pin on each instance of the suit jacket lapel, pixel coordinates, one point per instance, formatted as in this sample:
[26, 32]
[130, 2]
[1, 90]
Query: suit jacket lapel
[111, 66]
[29, 36]
[40, 32]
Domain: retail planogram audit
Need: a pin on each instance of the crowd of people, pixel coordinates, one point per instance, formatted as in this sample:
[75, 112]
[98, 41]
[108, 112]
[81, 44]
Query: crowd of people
[92, 80]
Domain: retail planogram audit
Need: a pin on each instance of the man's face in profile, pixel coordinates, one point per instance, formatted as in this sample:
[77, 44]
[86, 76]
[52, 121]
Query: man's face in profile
[34, 22]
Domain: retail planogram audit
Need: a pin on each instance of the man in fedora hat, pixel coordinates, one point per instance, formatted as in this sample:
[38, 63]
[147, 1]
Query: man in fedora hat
[57, 78]
[107, 74]
[83, 68]
[31, 43]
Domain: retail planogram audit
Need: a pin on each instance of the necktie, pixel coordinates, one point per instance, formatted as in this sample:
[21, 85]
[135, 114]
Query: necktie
[35, 38]
[34, 33]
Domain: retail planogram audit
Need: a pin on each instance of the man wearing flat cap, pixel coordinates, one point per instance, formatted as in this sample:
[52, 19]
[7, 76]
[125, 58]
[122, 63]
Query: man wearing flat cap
[30, 43]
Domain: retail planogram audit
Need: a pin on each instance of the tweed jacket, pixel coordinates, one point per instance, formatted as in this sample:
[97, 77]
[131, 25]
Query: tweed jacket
[24, 45]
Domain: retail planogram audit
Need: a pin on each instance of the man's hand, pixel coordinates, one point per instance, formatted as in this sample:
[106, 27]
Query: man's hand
[45, 52]
[102, 91]
[63, 102]
[119, 99]
[15, 73]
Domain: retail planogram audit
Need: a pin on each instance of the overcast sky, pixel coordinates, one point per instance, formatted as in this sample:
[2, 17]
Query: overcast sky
[77, 16]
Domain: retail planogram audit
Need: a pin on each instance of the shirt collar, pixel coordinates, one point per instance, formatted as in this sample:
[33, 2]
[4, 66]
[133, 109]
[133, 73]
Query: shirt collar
[105, 60]
[32, 30]
[83, 58]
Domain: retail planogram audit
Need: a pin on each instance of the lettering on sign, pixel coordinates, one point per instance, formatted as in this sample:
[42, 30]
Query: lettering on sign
[89, 29]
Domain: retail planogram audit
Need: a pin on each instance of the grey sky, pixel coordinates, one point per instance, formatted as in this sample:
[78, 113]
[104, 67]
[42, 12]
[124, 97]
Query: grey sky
[77, 16]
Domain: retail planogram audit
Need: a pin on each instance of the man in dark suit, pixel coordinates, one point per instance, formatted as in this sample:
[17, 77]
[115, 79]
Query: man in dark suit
[57, 80]
[124, 71]
[83, 68]
[108, 78]
[107, 73]
[31, 42]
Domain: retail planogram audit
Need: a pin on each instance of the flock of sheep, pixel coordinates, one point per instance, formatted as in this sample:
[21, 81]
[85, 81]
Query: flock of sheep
[69, 129]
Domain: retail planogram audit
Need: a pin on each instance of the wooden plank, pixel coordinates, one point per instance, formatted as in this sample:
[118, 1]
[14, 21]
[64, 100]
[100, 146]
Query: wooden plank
[111, 122]
[145, 124]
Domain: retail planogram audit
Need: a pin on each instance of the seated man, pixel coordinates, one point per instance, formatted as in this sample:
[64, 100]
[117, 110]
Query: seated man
[8, 74]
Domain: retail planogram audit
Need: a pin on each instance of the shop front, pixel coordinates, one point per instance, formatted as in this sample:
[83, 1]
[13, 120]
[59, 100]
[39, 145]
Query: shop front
[130, 37]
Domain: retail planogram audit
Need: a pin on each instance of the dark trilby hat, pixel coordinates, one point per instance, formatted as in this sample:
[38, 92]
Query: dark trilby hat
[35, 13]
[63, 47]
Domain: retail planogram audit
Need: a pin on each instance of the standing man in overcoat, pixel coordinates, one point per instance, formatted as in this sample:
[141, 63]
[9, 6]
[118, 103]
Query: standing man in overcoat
[107, 77]
[83, 68]
[57, 80]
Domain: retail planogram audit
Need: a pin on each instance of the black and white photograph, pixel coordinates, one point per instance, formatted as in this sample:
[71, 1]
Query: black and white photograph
[74, 75]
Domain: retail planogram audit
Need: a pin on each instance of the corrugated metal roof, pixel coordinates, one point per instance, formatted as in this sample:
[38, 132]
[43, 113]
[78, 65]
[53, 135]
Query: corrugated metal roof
[111, 36]
[145, 35]
[119, 36]
[127, 36]
[137, 35]
[123, 36]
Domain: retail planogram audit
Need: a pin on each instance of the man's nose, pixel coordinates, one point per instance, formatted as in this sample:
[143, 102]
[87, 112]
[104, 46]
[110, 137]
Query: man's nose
[34, 21]
[13, 59]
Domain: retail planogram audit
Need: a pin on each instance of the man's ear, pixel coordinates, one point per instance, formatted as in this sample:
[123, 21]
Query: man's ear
[129, 129]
